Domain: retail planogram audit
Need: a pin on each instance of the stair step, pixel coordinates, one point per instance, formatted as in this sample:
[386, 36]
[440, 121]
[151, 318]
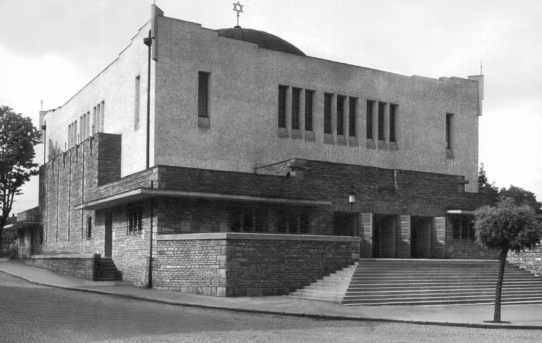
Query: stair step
[416, 282]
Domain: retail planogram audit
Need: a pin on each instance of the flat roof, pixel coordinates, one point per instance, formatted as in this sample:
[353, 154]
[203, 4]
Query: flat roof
[147, 193]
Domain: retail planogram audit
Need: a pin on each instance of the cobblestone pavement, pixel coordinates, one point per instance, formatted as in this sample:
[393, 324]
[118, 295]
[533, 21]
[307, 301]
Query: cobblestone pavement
[32, 313]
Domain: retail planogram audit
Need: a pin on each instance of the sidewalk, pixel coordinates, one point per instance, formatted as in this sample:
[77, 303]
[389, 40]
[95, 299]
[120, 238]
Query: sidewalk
[524, 316]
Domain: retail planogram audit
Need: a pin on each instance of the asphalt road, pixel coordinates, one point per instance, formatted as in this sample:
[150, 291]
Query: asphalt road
[32, 313]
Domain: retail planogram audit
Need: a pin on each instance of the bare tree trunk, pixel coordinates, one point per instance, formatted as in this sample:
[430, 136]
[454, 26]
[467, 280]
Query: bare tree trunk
[498, 291]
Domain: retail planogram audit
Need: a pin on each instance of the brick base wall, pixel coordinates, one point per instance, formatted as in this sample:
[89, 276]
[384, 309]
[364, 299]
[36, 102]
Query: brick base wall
[237, 264]
[82, 266]
[466, 249]
[529, 260]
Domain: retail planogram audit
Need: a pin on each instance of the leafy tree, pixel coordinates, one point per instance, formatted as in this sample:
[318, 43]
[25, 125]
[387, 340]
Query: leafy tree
[504, 227]
[17, 140]
[521, 196]
[483, 185]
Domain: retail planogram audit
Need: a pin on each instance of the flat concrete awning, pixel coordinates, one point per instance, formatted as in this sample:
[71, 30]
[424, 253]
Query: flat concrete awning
[146, 193]
[20, 225]
[471, 212]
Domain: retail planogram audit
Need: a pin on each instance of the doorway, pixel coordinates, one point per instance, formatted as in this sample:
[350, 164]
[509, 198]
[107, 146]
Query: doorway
[385, 236]
[108, 246]
[421, 229]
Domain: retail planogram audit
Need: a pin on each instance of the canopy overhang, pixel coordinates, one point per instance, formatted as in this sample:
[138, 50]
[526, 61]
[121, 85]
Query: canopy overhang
[147, 193]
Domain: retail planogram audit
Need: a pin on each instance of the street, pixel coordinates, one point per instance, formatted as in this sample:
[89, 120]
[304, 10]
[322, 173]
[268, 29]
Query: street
[33, 313]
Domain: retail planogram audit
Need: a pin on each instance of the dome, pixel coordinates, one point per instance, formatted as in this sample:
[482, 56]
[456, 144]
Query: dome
[263, 39]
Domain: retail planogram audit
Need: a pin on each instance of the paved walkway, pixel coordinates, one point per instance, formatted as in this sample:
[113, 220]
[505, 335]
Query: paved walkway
[519, 316]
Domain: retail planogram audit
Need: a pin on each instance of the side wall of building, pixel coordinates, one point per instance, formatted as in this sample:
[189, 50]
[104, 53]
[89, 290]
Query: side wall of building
[115, 91]
[243, 130]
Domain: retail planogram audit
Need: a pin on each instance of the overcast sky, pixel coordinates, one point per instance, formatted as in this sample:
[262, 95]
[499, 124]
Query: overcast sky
[50, 49]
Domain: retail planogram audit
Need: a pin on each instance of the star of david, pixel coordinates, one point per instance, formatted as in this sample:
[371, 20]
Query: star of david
[238, 10]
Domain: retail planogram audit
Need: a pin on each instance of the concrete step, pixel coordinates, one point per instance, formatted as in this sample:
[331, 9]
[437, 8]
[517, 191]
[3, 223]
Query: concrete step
[381, 282]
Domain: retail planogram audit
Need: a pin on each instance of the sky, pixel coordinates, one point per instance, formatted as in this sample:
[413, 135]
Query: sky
[50, 49]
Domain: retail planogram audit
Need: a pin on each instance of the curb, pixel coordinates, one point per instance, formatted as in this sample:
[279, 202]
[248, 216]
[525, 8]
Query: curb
[283, 313]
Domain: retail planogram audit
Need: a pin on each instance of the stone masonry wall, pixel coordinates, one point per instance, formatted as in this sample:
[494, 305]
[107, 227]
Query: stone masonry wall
[79, 266]
[529, 260]
[236, 264]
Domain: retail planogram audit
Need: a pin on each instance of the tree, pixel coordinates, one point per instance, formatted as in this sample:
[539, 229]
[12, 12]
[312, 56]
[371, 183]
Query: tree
[521, 196]
[506, 227]
[17, 140]
[483, 185]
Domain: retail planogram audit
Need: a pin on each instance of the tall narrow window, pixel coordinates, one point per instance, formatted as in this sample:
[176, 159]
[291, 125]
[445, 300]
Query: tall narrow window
[340, 115]
[449, 130]
[327, 113]
[369, 126]
[102, 116]
[94, 120]
[308, 110]
[381, 109]
[136, 102]
[98, 118]
[89, 227]
[393, 115]
[203, 95]
[352, 117]
[295, 108]
[282, 106]
[88, 124]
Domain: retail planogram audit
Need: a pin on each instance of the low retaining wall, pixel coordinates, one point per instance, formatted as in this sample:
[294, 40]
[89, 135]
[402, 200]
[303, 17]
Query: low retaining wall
[466, 249]
[529, 260]
[246, 264]
[83, 266]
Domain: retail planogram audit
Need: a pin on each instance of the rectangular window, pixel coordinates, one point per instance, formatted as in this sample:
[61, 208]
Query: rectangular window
[98, 118]
[352, 117]
[308, 110]
[293, 222]
[248, 219]
[340, 115]
[89, 227]
[282, 106]
[261, 216]
[135, 220]
[136, 102]
[381, 110]
[393, 115]
[327, 112]
[369, 126]
[94, 120]
[449, 130]
[295, 108]
[102, 116]
[203, 95]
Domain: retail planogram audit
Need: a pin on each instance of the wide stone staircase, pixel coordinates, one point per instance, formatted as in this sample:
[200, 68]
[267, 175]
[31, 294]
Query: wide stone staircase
[107, 271]
[423, 282]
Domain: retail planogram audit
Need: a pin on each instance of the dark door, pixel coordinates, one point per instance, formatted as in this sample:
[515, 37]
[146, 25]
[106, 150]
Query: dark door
[376, 235]
[414, 237]
[108, 248]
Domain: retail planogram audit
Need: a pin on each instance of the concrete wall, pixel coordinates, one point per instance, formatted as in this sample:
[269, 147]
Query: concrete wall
[243, 89]
[236, 264]
[115, 86]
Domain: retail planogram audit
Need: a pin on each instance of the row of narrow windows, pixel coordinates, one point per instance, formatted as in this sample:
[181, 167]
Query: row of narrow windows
[296, 115]
[375, 112]
[341, 118]
[86, 127]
